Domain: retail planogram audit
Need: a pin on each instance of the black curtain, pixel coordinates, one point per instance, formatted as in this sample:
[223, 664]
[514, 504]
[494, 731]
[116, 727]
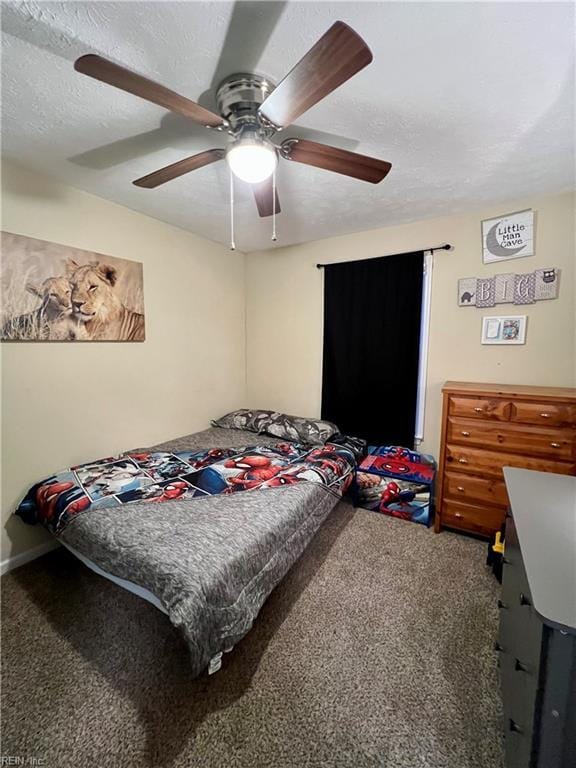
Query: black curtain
[372, 311]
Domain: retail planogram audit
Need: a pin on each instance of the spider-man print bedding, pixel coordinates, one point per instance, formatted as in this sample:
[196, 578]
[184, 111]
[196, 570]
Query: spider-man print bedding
[161, 476]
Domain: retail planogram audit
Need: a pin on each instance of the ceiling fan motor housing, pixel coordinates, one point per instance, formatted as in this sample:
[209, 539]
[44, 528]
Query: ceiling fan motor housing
[239, 97]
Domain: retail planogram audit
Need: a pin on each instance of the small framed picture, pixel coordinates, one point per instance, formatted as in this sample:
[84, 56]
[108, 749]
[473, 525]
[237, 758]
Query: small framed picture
[506, 329]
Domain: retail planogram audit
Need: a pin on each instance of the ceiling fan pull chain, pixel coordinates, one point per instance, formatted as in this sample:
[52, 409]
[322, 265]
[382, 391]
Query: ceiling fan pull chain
[232, 243]
[274, 238]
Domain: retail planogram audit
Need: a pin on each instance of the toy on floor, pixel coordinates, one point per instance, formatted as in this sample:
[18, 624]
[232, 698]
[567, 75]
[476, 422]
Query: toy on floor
[495, 556]
[396, 481]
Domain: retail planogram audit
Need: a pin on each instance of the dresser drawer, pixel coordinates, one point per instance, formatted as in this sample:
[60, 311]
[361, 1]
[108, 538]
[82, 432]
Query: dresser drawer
[474, 489]
[490, 463]
[518, 692]
[475, 519]
[550, 442]
[520, 626]
[519, 711]
[517, 747]
[479, 408]
[520, 633]
[545, 414]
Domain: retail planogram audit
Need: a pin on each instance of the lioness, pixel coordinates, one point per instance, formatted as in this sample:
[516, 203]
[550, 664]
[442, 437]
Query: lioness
[96, 306]
[51, 320]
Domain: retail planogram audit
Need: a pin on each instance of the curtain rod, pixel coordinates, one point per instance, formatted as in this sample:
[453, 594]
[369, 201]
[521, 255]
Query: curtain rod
[445, 247]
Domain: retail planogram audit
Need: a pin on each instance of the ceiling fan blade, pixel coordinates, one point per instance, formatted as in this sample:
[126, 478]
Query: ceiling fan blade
[180, 168]
[338, 55]
[263, 194]
[113, 74]
[333, 159]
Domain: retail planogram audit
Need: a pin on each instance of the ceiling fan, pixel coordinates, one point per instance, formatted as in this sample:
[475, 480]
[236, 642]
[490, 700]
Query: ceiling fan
[252, 111]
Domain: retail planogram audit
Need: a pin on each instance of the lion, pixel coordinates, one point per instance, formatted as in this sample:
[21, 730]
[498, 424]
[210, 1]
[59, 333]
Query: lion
[96, 306]
[51, 320]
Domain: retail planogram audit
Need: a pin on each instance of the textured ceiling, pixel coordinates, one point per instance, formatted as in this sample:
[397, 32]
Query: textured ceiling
[471, 102]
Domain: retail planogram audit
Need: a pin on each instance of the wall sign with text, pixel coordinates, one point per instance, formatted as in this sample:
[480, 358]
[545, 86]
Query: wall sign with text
[509, 288]
[508, 237]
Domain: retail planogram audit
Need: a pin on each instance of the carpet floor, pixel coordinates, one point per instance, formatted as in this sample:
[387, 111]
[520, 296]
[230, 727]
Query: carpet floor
[376, 650]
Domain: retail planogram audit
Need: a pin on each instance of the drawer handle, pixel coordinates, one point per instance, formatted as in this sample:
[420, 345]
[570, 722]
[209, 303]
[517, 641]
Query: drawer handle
[519, 667]
[458, 515]
[502, 605]
[478, 410]
[514, 726]
[462, 461]
[460, 488]
[524, 600]
[464, 433]
[545, 415]
[555, 445]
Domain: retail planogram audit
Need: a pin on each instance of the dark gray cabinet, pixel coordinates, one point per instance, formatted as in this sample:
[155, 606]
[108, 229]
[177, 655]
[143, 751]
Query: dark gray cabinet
[537, 636]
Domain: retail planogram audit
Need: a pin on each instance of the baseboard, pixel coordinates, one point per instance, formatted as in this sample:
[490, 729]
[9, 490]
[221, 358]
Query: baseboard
[25, 557]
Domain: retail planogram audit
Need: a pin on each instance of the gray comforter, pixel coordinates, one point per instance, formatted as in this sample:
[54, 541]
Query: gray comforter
[211, 562]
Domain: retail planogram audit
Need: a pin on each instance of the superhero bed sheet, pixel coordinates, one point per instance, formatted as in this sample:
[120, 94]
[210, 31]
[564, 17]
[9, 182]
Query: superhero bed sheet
[206, 524]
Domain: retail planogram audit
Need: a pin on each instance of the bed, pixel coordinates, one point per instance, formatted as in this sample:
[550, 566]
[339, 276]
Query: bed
[208, 561]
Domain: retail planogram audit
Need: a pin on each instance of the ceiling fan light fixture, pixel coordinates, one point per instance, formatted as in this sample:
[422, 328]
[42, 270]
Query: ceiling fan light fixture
[252, 160]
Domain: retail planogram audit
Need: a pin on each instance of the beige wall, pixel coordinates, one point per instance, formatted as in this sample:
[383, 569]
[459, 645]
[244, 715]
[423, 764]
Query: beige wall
[67, 403]
[284, 306]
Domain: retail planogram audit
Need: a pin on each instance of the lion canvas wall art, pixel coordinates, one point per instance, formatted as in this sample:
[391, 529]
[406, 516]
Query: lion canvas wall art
[53, 292]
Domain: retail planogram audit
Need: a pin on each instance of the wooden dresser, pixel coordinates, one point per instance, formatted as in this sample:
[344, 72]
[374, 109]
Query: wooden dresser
[486, 427]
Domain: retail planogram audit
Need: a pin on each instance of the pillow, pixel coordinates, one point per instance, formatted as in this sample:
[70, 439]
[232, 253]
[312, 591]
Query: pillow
[296, 428]
[244, 418]
[300, 429]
